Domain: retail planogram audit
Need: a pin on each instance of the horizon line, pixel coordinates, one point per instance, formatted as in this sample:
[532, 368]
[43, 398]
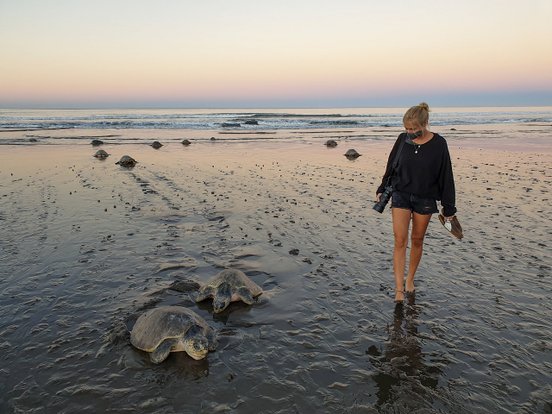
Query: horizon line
[186, 107]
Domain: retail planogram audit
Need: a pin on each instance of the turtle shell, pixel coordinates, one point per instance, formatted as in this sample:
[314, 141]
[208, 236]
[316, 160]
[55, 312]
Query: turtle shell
[101, 154]
[352, 153]
[126, 161]
[236, 279]
[167, 322]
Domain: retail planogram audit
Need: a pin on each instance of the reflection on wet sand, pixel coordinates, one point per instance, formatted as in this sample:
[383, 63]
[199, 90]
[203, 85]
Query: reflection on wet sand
[403, 376]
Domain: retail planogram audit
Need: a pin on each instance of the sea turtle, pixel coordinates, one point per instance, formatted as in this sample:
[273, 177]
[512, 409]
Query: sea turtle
[352, 154]
[156, 144]
[96, 142]
[101, 154]
[186, 142]
[167, 329]
[127, 161]
[229, 285]
[331, 143]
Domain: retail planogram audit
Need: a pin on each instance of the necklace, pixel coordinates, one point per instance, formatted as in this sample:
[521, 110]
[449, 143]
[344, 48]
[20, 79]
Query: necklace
[417, 146]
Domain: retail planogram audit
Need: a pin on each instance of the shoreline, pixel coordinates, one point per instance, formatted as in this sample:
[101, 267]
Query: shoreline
[518, 137]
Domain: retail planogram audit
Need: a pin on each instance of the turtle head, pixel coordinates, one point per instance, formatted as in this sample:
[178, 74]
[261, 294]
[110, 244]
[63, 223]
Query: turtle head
[196, 344]
[222, 297]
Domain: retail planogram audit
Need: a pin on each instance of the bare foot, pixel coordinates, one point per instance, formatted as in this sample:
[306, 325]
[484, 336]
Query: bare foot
[410, 287]
[399, 296]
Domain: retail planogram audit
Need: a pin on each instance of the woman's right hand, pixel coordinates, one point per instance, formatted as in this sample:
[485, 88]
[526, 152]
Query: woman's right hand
[378, 196]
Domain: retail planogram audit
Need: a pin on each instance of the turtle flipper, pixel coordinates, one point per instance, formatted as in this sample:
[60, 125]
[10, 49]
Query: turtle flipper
[205, 292]
[162, 351]
[212, 338]
[246, 296]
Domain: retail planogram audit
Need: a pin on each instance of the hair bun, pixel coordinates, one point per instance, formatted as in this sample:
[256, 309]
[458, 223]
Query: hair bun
[419, 114]
[423, 105]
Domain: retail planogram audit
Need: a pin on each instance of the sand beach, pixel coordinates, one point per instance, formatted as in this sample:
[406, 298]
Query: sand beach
[86, 246]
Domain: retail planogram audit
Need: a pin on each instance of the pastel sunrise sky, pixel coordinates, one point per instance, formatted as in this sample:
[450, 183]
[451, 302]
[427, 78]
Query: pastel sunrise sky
[274, 53]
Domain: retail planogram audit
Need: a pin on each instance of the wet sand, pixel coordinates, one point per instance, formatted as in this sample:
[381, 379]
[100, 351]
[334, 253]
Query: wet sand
[86, 246]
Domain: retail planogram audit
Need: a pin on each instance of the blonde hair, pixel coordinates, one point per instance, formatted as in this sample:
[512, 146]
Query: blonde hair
[418, 114]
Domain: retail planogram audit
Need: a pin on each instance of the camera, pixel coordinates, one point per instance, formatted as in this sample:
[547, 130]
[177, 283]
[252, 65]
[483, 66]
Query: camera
[384, 199]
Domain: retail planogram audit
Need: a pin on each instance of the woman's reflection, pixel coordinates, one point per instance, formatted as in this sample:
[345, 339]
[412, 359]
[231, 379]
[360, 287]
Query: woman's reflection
[403, 375]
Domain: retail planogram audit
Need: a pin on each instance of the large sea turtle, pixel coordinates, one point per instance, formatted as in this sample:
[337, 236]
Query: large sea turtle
[126, 161]
[166, 329]
[229, 285]
[101, 154]
[352, 154]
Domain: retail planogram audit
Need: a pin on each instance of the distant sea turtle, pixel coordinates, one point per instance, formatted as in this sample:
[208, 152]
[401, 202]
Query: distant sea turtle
[156, 144]
[96, 142]
[229, 285]
[126, 161]
[186, 142]
[352, 154]
[167, 329]
[101, 154]
[331, 143]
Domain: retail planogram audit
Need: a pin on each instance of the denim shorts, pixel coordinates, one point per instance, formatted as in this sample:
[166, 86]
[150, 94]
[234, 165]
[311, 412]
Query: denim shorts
[414, 203]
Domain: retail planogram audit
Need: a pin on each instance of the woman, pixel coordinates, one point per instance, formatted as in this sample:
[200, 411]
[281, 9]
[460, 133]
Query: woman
[423, 175]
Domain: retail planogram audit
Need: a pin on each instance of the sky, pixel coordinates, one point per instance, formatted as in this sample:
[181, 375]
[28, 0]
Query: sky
[274, 53]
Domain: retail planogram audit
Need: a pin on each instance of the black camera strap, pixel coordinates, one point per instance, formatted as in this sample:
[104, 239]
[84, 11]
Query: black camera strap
[398, 155]
[396, 159]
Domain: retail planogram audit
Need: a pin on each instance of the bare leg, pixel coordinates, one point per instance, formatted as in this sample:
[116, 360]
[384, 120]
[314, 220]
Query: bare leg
[419, 227]
[401, 222]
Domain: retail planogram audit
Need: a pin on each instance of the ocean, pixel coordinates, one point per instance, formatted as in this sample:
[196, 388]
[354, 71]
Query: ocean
[62, 126]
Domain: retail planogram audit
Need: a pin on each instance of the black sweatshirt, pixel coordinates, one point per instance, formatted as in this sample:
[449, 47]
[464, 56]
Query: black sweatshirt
[427, 173]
